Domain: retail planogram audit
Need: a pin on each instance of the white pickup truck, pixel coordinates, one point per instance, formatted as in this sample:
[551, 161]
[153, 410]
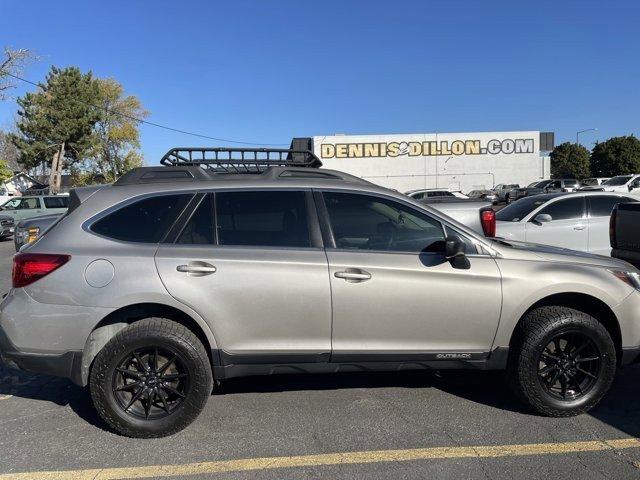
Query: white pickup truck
[475, 214]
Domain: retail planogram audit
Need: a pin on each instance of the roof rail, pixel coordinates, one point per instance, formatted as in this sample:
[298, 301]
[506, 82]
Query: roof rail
[239, 160]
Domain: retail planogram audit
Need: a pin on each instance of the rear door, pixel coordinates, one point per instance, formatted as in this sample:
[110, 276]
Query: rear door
[568, 225]
[599, 209]
[252, 264]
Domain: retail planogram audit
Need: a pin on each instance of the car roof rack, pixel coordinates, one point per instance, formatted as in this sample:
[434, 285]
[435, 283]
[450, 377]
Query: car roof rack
[227, 160]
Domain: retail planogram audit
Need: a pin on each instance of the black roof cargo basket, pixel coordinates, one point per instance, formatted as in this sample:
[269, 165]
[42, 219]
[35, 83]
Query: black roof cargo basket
[239, 160]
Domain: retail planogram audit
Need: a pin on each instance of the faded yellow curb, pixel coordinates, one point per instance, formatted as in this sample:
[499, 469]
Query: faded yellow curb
[319, 460]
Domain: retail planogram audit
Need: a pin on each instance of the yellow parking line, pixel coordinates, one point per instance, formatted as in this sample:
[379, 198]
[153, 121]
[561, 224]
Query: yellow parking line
[374, 456]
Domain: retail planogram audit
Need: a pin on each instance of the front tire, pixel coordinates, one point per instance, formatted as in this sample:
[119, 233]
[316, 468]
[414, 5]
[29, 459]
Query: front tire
[152, 379]
[563, 361]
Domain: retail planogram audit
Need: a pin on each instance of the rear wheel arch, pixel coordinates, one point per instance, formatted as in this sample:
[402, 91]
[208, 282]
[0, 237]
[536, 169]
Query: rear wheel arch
[583, 303]
[110, 325]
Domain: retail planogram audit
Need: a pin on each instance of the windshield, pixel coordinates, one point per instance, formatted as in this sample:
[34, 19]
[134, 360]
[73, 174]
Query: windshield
[617, 181]
[532, 184]
[520, 209]
[11, 204]
[590, 181]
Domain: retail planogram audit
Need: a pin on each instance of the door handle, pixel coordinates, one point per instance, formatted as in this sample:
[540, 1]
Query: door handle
[579, 227]
[353, 275]
[197, 269]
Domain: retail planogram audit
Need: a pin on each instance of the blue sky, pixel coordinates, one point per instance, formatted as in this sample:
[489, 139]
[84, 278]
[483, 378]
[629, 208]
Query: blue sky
[265, 71]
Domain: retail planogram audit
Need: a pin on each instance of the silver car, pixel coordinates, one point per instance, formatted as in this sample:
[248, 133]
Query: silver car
[579, 221]
[151, 289]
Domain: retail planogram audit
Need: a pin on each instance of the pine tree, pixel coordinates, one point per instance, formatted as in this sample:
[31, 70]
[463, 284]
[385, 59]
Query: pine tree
[56, 123]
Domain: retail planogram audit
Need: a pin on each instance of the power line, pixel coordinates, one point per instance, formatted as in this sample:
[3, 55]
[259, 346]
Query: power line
[153, 124]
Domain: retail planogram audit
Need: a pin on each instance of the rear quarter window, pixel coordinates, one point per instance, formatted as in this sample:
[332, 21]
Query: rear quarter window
[144, 221]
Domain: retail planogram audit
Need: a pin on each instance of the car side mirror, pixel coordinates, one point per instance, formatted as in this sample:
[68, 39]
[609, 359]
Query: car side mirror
[455, 251]
[542, 218]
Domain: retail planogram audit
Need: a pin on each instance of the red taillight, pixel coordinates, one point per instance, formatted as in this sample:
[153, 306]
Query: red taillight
[488, 221]
[29, 267]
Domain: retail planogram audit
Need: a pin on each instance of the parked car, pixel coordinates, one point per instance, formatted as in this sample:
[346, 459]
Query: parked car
[544, 186]
[621, 183]
[503, 189]
[487, 195]
[149, 289]
[593, 182]
[21, 208]
[579, 221]
[434, 193]
[478, 215]
[534, 188]
[28, 231]
[625, 234]
[7, 226]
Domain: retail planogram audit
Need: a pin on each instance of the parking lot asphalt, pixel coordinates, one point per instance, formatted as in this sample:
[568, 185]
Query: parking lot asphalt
[394, 425]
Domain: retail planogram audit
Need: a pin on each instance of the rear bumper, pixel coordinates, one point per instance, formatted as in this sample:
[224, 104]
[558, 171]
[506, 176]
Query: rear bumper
[45, 338]
[630, 356]
[66, 365]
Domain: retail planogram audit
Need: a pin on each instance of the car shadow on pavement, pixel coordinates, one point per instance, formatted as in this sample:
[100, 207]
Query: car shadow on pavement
[14, 383]
[620, 408]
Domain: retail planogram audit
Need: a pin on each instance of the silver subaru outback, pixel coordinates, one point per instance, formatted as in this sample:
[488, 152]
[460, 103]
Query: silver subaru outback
[238, 263]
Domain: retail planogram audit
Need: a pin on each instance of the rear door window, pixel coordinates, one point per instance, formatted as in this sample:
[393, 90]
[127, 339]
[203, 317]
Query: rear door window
[144, 221]
[263, 219]
[602, 205]
[567, 208]
[56, 202]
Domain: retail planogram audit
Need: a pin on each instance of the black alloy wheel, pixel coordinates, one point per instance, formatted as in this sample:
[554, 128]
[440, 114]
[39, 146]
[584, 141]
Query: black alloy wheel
[150, 382]
[569, 365]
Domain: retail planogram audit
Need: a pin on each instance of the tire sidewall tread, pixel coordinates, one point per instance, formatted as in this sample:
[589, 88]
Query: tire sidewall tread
[533, 334]
[140, 333]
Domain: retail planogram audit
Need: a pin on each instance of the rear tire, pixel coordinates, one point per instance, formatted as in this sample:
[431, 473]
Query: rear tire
[563, 361]
[507, 199]
[152, 379]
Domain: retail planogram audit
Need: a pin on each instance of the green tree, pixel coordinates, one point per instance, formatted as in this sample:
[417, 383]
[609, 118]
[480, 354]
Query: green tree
[117, 138]
[616, 156]
[570, 160]
[5, 171]
[55, 125]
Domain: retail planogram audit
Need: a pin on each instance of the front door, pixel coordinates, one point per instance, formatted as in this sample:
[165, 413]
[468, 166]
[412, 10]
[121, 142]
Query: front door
[568, 227]
[258, 279]
[395, 296]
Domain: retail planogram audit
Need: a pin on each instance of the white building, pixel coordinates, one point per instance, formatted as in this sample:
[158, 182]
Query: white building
[458, 161]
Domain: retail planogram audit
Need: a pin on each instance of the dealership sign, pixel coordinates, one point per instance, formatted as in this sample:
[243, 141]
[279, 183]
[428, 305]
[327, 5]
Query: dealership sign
[427, 148]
